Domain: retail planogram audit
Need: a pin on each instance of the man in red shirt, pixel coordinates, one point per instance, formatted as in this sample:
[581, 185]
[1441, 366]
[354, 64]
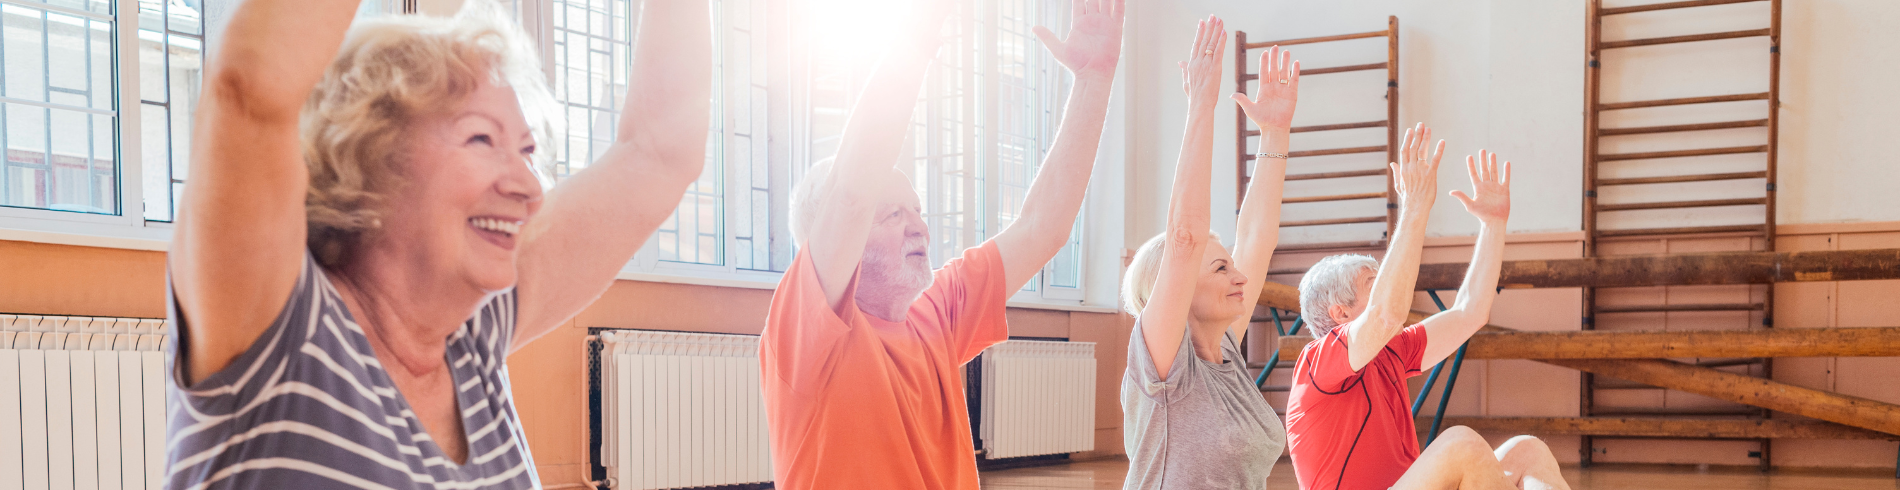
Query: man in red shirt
[863, 347]
[1349, 425]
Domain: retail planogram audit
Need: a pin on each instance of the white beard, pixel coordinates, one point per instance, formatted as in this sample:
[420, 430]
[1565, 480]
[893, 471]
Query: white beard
[884, 282]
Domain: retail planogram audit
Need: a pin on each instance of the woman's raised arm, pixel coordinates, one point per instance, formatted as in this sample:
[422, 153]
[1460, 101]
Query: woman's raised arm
[593, 223]
[1165, 317]
[239, 240]
[1258, 230]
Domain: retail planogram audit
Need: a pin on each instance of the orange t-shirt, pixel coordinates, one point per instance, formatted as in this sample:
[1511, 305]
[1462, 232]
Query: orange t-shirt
[856, 402]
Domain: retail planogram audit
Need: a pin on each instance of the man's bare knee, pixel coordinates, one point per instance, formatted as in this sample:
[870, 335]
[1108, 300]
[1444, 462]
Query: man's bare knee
[1462, 444]
[1521, 447]
[1528, 463]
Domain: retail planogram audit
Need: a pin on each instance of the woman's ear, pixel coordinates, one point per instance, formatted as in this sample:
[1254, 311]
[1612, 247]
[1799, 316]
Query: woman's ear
[1339, 314]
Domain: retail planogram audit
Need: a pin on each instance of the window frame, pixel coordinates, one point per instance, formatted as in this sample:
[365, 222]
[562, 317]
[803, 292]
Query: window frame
[787, 148]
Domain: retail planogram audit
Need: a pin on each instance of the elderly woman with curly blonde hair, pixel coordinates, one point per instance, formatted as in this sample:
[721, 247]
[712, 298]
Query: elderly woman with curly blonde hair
[365, 238]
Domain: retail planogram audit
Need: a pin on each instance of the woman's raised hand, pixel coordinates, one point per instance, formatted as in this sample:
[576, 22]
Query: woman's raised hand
[1095, 38]
[1279, 91]
[1200, 74]
[1492, 183]
[1415, 175]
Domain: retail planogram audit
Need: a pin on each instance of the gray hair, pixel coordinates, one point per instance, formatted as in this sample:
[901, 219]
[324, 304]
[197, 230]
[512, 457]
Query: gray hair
[1330, 283]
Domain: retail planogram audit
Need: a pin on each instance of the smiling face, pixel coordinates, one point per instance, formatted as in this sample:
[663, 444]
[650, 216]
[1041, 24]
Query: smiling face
[469, 189]
[896, 264]
[1219, 296]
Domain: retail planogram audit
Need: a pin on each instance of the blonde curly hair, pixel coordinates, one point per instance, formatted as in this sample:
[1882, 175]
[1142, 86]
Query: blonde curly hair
[390, 74]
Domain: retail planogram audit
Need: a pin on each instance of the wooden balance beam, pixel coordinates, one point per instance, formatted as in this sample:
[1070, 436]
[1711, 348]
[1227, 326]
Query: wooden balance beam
[1832, 407]
[1680, 269]
[1599, 344]
[1669, 428]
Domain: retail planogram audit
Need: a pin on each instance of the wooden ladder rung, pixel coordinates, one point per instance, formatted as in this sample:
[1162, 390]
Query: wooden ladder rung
[1686, 230]
[1325, 127]
[1336, 151]
[1284, 363]
[1681, 307]
[1682, 204]
[1291, 247]
[1336, 175]
[1682, 153]
[1748, 361]
[1667, 6]
[1335, 221]
[1682, 101]
[1683, 39]
[1639, 412]
[1335, 197]
[1276, 389]
[1683, 127]
[1682, 178]
[1344, 69]
[1319, 39]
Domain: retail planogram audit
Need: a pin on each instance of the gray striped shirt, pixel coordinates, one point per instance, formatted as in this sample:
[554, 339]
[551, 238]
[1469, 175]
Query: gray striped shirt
[309, 406]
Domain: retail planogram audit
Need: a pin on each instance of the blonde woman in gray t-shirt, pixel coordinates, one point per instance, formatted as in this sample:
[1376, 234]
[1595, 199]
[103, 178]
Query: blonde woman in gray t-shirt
[1193, 419]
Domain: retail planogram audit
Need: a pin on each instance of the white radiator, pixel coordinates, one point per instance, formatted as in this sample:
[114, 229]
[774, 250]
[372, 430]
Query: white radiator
[82, 403]
[682, 410]
[1038, 398]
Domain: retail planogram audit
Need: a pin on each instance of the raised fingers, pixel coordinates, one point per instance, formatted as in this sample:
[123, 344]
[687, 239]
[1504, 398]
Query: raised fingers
[1049, 39]
[1471, 169]
[1286, 61]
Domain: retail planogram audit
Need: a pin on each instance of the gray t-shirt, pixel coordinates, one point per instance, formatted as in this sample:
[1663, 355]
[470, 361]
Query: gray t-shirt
[309, 406]
[1205, 426]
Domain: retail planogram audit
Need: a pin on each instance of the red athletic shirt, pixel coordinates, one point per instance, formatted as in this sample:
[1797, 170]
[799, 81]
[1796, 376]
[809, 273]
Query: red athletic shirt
[1353, 430]
[856, 402]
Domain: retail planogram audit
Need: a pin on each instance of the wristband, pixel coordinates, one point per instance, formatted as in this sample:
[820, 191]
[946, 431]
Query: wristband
[1259, 156]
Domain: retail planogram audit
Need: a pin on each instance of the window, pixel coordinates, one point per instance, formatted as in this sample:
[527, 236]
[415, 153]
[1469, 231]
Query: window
[58, 106]
[171, 65]
[984, 121]
[724, 220]
[1030, 88]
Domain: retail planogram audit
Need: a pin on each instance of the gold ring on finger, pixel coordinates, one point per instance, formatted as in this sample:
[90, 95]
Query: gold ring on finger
[1283, 81]
[1207, 52]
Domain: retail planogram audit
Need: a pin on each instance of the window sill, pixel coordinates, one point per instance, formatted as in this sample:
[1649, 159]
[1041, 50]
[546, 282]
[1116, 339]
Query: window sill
[1073, 306]
[741, 280]
[152, 237]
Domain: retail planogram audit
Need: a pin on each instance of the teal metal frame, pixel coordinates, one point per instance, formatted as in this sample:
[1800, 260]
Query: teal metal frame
[1274, 361]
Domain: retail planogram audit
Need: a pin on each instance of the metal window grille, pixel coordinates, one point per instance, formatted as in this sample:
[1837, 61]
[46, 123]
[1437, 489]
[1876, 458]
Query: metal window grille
[946, 172]
[1030, 87]
[58, 113]
[171, 65]
[592, 52]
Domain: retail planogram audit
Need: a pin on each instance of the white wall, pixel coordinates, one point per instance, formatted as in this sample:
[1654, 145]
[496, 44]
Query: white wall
[1507, 75]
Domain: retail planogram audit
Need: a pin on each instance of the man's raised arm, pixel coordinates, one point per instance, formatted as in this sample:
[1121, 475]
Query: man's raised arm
[847, 195]
[1449, 329]
[1054, 200]
[1415, 177]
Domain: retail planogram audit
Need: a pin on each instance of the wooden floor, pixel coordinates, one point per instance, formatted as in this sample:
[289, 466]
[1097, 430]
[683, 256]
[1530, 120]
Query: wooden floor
[1108, 475]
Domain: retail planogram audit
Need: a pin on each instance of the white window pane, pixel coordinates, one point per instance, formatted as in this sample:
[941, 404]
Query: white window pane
[101, 7]
[62, 169]
[171, 72]
[593, 42]
[156, 169]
